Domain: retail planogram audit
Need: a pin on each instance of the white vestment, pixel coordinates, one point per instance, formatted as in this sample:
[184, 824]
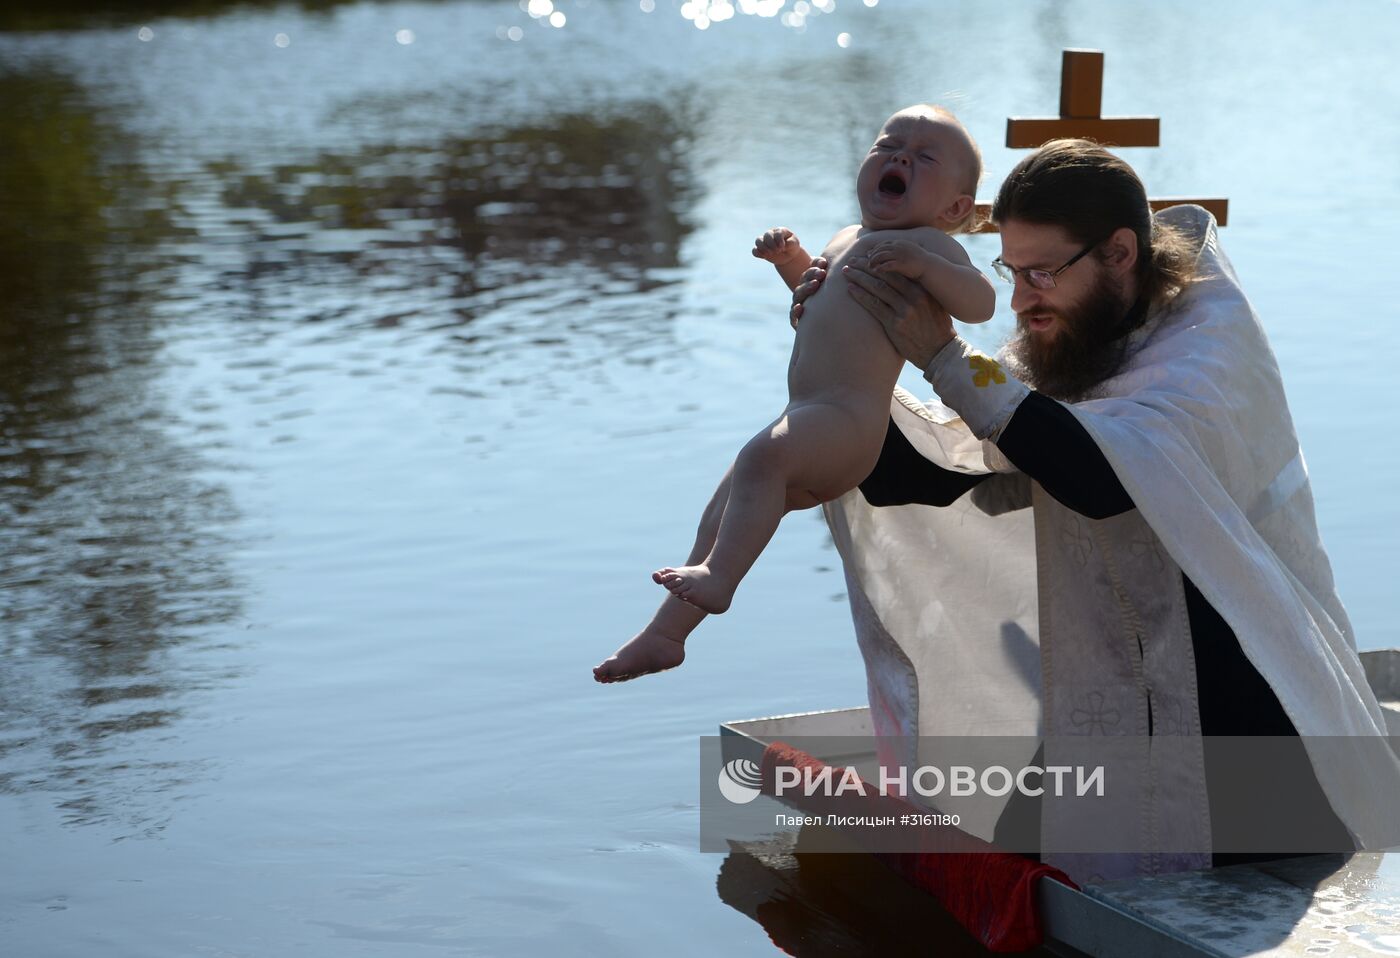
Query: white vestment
[989, 618]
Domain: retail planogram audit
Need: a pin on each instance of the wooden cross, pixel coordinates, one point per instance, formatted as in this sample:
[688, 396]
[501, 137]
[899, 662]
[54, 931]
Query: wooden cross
[1081, 100]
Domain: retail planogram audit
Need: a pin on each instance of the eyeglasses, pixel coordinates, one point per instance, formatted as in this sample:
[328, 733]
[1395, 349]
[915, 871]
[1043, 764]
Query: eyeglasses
[1039, 278]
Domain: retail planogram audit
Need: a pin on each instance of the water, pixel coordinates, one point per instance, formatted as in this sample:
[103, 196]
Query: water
[352, 387]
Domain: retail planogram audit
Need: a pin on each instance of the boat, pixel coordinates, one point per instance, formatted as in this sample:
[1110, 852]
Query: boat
[1325, 904]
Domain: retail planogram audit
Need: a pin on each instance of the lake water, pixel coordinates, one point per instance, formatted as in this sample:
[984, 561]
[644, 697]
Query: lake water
[354, 379]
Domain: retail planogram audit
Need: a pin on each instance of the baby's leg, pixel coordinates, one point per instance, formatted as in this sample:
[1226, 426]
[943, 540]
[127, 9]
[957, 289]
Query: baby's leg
[815, 452]
[661, 644]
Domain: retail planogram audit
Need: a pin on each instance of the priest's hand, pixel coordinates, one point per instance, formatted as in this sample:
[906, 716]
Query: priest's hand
[810, 282]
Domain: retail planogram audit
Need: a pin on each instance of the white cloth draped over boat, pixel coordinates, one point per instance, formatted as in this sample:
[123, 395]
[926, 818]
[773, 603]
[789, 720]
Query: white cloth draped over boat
[989, 618]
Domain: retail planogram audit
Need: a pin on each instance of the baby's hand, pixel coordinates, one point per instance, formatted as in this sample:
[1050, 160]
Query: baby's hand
[778, 246]
[899, 256]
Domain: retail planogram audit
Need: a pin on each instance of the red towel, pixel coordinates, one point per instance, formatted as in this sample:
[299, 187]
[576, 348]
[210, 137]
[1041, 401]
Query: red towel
[990, 892]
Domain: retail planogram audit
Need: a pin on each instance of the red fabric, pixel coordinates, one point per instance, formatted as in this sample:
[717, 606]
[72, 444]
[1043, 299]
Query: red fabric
[990, 892]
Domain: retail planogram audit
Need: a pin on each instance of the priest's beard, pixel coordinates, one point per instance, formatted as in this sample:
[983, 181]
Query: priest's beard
[1089, 346]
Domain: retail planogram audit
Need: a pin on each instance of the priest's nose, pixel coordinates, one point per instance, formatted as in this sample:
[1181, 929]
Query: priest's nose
[1025, 296]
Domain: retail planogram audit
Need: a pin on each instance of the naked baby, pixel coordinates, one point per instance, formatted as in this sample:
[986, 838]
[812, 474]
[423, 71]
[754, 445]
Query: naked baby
[914, 187]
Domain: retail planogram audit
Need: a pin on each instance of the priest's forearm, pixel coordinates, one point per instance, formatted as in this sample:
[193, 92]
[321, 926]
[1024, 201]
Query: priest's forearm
[1040, 436]
[903, 476]
[1044, 440]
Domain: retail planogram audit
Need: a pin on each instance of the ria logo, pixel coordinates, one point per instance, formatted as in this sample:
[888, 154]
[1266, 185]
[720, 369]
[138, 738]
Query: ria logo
[739, 781]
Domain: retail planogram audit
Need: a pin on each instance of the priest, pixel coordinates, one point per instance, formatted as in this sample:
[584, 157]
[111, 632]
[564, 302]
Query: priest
[1107, 529]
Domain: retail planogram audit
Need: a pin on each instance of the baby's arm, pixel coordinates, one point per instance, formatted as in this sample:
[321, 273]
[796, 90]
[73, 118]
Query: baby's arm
[945, 271]
[780, 247]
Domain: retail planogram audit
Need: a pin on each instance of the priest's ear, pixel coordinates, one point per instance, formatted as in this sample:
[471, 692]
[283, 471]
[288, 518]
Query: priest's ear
[1120, 251]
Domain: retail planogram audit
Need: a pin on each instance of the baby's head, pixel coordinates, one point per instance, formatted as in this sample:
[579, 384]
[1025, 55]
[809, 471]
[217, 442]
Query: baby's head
[922, 170]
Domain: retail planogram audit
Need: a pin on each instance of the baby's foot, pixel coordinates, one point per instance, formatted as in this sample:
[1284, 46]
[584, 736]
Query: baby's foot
[650, 650]
[697, 585]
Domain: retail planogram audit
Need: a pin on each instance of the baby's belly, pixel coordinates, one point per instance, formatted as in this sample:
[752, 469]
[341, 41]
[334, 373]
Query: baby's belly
[841, 352]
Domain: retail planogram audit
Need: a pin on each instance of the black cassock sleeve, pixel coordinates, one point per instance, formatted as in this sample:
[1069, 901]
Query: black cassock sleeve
[1042, 439]
[903, 476]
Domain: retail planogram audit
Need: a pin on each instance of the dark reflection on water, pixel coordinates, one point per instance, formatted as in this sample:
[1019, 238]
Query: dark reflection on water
[86, 14]
[820, 904]
[528, 224]
[111, 547]
[602, 192]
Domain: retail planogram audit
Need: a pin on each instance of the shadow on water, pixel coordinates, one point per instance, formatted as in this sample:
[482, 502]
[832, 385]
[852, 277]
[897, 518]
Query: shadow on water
[111, 548]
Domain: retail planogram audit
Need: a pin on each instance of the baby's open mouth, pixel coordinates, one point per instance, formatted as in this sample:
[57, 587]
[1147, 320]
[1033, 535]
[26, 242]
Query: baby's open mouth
[892, 183]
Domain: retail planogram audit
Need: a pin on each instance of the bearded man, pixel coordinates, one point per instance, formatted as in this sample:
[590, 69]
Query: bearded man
[1108, 532]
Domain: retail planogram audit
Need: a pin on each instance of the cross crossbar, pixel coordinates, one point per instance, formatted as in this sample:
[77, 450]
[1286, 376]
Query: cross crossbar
[1081, 105]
